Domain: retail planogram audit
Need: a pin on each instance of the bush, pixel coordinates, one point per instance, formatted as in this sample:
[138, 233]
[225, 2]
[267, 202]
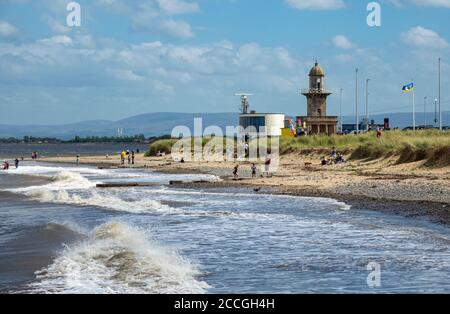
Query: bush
[163, 146]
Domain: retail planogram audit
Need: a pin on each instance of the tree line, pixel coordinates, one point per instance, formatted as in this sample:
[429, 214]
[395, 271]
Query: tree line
[140, 138]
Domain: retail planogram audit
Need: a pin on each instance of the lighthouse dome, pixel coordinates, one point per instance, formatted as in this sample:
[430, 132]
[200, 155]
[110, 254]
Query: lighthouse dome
[317, 70]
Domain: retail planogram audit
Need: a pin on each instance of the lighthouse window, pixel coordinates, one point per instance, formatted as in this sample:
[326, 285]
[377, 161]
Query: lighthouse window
[319, 85]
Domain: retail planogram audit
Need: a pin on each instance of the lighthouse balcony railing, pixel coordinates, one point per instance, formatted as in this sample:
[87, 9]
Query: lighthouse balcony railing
[316, 91]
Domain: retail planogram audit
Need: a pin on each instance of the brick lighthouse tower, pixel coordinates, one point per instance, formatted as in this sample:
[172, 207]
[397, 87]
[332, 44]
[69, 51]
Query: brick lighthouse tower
[317, 121]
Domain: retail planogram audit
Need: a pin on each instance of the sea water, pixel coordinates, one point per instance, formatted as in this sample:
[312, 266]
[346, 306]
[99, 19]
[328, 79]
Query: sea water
[64, 235]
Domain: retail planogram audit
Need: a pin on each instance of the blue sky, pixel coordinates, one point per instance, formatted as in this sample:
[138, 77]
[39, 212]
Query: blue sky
[132, 57]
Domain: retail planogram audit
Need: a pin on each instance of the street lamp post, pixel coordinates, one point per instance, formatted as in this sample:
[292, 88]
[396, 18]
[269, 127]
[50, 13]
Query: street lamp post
[367, 104]
[435, 112]
[340, 111]
[425, 111]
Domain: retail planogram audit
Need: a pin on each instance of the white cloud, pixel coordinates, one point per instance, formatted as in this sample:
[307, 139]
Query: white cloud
[221, 67]
[316, 4]
[424, 3]
[7, 29]
[421, 37]
[178, 6]
[56, 26]
[155, 16]
[342, 42]
[57, 40]
[125, 75]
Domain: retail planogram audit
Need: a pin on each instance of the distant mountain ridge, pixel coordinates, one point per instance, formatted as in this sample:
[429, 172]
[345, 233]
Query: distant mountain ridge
[150, 124]
[161, 123]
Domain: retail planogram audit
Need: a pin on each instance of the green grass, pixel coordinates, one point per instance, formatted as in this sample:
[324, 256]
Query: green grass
[431, 145]
[165, 145]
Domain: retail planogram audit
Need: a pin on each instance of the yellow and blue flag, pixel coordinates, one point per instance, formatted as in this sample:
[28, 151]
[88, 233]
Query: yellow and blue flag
[407, 88]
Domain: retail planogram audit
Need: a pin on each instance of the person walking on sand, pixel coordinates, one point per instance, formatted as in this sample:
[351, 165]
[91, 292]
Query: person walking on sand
[129, 158]
[16, 163]
[78, 159]
[132, 157]
[267, 166]
[235, 172]
[122, 157]
[253, 171]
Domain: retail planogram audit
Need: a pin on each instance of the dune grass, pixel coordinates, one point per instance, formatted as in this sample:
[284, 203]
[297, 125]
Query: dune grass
[430, 145]
[165, 145]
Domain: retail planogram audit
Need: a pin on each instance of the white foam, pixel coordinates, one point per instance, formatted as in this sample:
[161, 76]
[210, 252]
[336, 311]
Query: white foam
[119, 259]
[49, 171]
[109, 201]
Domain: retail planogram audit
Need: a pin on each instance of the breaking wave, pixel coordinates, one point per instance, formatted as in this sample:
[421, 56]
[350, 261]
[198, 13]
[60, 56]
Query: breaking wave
[117, 258]
[107, 201]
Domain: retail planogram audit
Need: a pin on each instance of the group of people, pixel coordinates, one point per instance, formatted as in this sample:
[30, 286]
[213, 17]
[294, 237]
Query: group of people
[127, 155]
[253, 169]
[6, 166]
[333, 159]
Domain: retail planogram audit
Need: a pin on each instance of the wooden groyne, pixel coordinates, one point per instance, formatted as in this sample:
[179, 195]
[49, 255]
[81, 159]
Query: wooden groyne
[124, 185]
[137, 184]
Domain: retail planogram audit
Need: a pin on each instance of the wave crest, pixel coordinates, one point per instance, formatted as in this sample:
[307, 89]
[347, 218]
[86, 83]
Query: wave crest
[119, 259]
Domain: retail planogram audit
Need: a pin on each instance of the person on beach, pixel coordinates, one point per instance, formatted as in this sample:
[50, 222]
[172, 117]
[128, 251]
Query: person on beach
[267, 166]
[379, 133]
[235, 172]
[5, 165]
[78, 159]
[132, 157]
[253, 171]
[122, 157]
[16, 163]
[129, 158]
[333, 154]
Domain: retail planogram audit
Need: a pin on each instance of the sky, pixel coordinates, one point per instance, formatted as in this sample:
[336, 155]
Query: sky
[133, 57]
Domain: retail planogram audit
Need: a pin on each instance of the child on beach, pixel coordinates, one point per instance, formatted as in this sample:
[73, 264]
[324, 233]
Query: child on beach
[235, 172]
[253, 171]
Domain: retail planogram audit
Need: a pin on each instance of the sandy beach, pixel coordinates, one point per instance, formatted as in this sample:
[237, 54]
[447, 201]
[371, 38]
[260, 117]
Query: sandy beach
[413, 190]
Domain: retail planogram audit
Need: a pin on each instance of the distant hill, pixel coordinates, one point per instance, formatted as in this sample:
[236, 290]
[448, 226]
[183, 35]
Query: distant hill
[156, 124]
[151, 124]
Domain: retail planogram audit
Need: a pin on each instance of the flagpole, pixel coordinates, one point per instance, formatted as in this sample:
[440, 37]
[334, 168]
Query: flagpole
[357, 114]
[440, 112]
[414, 107]
[340, 110]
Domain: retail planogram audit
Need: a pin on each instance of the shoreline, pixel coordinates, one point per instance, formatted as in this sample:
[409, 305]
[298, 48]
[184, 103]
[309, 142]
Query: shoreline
[407, 190]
